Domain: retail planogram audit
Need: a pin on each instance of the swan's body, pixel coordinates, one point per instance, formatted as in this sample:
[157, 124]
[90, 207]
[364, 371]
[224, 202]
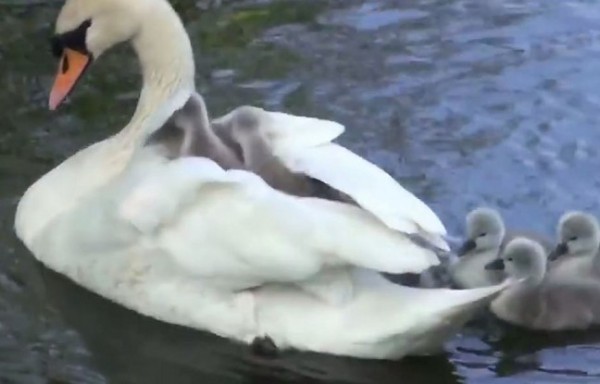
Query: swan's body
[187, 241]
[539, 300]
[486, 237]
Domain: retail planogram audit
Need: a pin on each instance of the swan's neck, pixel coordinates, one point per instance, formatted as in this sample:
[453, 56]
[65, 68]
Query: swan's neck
[165, 54]
[167, 62]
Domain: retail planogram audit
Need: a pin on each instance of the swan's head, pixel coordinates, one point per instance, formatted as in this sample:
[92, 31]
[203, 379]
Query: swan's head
[485, 231]
[521, 259]
[85, 29]
[578, 235]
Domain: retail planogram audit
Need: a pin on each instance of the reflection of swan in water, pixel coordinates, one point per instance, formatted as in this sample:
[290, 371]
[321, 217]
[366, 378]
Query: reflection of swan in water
[128, 347]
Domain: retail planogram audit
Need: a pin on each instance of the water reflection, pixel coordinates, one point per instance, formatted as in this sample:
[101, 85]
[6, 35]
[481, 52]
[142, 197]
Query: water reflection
[466, 102]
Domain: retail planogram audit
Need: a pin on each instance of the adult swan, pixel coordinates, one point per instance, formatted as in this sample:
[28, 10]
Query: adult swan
[187, 242]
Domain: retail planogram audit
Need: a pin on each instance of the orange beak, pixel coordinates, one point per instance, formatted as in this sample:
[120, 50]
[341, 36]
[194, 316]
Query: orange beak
[71, 67]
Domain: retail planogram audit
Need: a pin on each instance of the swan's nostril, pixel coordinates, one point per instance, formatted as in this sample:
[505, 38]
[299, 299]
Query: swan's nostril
[65, 64]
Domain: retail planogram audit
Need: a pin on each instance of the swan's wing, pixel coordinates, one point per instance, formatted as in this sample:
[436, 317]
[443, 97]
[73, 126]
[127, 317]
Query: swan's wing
[304, 145]
[371, 188]
[230, 224]
[281, 131]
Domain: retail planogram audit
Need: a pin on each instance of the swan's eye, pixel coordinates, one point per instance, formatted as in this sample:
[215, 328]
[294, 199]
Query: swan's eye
[483, 234]
[510, 259]
[573, 238]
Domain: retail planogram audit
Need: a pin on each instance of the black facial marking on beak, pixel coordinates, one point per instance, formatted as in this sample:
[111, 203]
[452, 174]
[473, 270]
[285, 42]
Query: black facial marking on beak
[56, 47]
[560, 250]
[74, 39]
[496, 265]
[466, 247]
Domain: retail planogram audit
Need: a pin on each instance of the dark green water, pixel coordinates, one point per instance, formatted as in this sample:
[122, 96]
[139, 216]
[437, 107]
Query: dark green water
[466, 102]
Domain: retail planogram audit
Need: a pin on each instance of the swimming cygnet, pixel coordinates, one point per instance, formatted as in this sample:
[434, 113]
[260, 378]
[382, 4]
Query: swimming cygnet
[577, 252]
[486, 236]
[538, 301]
[485, 232]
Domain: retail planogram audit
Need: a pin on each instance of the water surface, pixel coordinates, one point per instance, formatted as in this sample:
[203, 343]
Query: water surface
[466, 102]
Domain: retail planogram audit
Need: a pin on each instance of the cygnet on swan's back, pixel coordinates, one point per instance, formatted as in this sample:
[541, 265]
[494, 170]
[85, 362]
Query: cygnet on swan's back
[188, 132]
[243, 132]
[235, 143]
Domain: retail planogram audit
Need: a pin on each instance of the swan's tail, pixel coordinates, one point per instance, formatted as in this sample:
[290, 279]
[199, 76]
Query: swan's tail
[452, 309]
[419, 321]
[382, 320]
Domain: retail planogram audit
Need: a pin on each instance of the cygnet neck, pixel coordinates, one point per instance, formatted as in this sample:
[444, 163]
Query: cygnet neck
[538, 271]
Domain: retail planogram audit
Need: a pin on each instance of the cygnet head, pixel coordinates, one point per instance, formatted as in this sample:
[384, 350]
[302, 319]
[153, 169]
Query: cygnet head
[85, 29]
[485, 231]
[522, 258]
[578, 235]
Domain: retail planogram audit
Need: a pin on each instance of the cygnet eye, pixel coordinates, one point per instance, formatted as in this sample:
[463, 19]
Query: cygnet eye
[482, 234]
[509, 259]
[573, 238]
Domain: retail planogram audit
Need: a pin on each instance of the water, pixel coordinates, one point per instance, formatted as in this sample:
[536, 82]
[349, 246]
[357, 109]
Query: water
[466, 102]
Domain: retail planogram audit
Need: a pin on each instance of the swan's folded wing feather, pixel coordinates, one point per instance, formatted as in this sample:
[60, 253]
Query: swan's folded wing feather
[218, 223]
[370, 186]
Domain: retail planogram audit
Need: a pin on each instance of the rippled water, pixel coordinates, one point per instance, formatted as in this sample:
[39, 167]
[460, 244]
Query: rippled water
[467, 102]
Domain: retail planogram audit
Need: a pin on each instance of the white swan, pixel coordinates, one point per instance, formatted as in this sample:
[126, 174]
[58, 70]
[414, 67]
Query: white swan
[183, 240]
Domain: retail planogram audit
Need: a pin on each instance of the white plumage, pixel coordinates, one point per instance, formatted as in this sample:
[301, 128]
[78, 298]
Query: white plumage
[190, 243]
